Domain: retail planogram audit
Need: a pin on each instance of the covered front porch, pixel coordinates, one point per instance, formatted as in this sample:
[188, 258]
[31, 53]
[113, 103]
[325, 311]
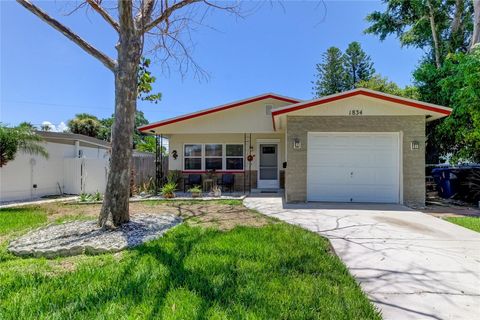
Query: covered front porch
[238, 162]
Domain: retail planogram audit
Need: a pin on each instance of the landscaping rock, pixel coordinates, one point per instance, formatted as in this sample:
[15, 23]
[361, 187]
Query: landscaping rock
[80, 237]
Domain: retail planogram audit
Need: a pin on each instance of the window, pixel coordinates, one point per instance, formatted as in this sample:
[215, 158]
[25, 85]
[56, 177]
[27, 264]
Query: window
[234, 156]
[193, 157]
[213, 156]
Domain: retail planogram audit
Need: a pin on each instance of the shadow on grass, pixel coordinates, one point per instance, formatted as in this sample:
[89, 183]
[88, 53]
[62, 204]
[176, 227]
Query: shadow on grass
[273, 272]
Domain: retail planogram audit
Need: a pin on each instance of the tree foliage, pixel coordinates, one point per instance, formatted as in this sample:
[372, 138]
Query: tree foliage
[382, 84]
[358, 65]
[455, 84]
[145, 81]
[148, 144]
[21, 138]
[437, 26]
[341, 71]
[86, 124]
[330, 73]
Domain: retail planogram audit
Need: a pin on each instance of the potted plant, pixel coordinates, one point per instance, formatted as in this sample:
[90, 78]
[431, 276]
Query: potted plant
[168, 190]
[196, 191]
[217, 191]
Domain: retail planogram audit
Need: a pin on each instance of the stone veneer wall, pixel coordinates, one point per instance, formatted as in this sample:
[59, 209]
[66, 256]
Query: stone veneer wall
[412, 128]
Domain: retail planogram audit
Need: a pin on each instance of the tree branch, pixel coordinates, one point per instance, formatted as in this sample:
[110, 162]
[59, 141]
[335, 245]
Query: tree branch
[106, 60]
[433, 27]
[167, 12]
[95, 4]
[144, 14]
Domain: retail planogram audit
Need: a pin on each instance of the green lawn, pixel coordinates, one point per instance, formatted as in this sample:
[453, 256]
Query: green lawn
[275, 271]
[18, 219]
[472, 223]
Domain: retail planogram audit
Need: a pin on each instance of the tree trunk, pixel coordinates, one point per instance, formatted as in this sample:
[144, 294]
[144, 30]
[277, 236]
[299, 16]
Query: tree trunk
[433, 26]
[456, 25]
[476, 24]
[116, 200]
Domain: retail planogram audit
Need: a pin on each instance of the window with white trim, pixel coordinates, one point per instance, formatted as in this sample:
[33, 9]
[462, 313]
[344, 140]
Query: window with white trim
[192, 157]
[213, 156]
[234, 156]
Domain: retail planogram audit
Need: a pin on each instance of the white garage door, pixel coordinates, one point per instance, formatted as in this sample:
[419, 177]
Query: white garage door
[353, 167]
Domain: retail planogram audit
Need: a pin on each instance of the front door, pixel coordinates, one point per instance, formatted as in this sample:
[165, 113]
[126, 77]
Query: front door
[268, 165]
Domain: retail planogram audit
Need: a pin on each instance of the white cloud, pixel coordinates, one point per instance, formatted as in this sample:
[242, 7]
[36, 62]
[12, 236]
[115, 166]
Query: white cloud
[62, 127]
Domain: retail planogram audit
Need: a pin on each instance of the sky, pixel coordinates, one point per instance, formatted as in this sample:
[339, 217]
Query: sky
[45, 77]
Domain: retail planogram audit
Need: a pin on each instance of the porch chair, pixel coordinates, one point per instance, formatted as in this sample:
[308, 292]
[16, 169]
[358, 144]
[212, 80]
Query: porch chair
[228, 182]
[191, 181]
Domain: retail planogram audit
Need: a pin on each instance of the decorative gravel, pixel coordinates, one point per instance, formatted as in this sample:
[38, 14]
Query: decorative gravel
[80, 237]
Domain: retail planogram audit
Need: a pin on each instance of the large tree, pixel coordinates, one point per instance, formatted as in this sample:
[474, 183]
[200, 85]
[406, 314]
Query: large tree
[358, 65]
[437, 26]
[330, 77]
[446, 30]
[455, 84]
[163, 22]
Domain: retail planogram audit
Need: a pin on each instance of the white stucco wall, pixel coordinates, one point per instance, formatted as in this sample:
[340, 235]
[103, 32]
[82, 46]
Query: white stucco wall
[19, 176]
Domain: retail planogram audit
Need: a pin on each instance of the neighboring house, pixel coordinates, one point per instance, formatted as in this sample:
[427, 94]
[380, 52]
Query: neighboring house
[356, 146]
[76, 164]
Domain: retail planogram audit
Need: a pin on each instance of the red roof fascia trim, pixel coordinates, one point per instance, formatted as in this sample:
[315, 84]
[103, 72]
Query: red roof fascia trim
[365, 93]
[155, 125]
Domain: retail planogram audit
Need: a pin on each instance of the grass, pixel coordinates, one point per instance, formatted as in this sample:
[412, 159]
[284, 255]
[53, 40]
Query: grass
[14, 219]
[261, 271]
[472, 223]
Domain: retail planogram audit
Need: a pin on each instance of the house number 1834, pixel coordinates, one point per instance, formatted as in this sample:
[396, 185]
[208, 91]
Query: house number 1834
[355, 112]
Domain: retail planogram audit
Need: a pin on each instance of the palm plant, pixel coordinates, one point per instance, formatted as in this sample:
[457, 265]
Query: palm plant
[21, 138]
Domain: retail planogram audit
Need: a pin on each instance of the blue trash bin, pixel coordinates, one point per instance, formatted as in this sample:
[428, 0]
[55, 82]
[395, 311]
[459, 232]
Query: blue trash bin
[443, 179]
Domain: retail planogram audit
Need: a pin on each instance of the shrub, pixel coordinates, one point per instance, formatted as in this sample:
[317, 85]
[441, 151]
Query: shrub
[168, 190]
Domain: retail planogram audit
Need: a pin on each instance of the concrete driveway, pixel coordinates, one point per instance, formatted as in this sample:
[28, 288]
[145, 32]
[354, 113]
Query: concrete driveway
[411, 265]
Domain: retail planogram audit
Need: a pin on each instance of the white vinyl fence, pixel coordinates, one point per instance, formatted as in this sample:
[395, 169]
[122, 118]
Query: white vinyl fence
[82, 175]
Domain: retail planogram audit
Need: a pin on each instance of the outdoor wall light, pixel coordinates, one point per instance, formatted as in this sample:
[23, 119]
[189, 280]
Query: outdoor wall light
[414, 145]
[297, 144]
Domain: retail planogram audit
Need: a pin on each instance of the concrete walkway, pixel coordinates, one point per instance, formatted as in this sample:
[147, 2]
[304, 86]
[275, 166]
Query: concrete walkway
[15, 204]
[411, 265]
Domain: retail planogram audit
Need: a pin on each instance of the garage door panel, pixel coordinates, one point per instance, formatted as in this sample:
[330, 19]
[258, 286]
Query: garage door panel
[357, 193]
[354, 167]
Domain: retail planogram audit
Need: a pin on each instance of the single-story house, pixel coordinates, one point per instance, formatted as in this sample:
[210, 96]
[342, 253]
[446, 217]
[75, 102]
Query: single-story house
[355, 146]
[76, 164]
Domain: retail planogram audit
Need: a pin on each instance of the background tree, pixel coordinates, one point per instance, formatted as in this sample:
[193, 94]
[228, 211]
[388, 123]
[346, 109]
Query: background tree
[330, 77]
[443, 28]
[163, 23]
[86, 124]
[358, 65]
[106, 124]
[21, 138]
[382, 84]
[437, 26]
[45, 127]
[148, 144]
[455, 84]
[28, 125]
